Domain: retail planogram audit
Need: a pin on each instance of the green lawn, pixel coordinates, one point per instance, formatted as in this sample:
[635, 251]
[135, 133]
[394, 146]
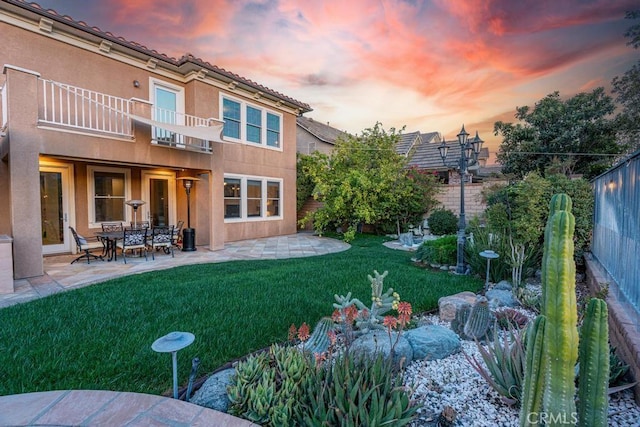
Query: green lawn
[100, 337]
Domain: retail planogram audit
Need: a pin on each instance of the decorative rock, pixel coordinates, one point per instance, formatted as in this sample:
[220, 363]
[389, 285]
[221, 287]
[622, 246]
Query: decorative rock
[449, 305]
[378, 341]
[213, 393]
[503, 285]
[406, 239]
[432, 342]
[501, 298]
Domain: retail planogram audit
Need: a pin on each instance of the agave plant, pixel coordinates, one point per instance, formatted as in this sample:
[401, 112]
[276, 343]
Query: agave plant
[504, 360]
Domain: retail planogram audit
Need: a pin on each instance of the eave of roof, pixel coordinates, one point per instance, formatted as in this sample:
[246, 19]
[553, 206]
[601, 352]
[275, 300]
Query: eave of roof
[185, 60]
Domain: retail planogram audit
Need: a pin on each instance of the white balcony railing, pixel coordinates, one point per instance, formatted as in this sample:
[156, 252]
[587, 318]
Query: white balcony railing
[84, 110]
[162, 136]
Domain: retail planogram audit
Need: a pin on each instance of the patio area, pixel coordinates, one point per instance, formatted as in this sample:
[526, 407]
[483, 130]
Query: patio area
[61, 275]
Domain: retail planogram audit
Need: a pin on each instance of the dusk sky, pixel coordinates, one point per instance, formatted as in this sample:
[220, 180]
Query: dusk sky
[427, 65]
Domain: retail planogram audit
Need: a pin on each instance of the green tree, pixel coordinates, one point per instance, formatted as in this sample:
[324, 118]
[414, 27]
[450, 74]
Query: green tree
[364, 181]
[579, 133]
[627, 91]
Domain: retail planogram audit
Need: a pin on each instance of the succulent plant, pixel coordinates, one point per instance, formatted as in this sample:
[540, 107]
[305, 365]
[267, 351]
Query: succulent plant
[381, 303]
[552, 347]
[594, 359]
[354, 391]
[267, 388]
[462, 314]
[508, 317]
[504, 360]
[319, 340]
[479, 321]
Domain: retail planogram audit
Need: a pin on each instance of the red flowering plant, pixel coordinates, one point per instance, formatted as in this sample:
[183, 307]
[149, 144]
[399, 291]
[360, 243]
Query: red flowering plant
[399, 323]
[353, 318]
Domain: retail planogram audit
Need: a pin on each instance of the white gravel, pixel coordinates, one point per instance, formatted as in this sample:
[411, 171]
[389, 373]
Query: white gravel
[453, 382]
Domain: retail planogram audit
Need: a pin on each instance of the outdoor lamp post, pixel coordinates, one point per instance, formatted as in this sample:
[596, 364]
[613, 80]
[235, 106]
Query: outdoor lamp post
[188, 234]
[469, 150]
[135, 204]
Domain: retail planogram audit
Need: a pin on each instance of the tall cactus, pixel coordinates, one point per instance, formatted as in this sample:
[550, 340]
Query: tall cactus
[559, 308]
[552, 342]
[533, 374]
[594, 366]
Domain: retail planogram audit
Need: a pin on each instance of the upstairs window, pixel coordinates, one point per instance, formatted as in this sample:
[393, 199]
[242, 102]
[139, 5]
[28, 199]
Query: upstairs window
[250, 123]
[231, 117]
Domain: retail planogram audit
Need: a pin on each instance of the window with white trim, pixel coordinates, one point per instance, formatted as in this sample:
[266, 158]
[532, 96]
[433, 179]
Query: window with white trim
[251, 123]
[250, 198]
[108, 189]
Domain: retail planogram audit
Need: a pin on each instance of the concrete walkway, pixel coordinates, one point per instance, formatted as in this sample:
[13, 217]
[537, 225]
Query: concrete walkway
[109, 408]
[61, 275]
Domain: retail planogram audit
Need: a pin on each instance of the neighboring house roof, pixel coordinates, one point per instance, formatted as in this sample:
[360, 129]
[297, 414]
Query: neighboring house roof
[407, 142]
[323, 132]
[185, 63]
[425, 155]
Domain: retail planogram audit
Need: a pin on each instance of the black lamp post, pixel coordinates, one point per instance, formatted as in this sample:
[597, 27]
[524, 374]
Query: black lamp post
[469, 150]
[188, 234]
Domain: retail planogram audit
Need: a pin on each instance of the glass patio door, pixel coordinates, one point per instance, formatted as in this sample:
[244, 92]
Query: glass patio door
[159, 193]
[54, 209]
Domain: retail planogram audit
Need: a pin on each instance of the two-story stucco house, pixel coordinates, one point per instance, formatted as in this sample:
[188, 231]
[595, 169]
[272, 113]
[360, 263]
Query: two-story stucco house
[91, 120]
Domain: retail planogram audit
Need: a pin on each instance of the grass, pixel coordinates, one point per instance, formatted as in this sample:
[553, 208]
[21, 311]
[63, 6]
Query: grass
[100, 337]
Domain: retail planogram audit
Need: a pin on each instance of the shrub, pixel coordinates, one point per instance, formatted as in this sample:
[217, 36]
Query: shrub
[442, 222]
[439, 251]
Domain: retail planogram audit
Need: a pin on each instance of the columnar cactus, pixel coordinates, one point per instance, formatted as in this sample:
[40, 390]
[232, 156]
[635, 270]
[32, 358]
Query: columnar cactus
[532, 389]
[559, 308]
[552, 342]
[594, 366]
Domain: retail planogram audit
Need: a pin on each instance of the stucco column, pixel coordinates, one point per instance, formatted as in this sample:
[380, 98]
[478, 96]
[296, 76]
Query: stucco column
[24, 171]
[216, 199]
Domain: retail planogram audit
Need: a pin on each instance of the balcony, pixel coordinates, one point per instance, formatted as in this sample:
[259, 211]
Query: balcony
[77, 110]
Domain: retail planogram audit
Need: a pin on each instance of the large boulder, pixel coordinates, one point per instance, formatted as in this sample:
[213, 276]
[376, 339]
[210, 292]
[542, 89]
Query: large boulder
[213, 393]
[432, 342]
[377, 341]
[503, 285]
[501, 298]
[448, 306]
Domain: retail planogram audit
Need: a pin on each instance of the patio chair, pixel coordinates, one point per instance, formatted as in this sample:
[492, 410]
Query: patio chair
[140, 224]
[177, 236]
[112, 226]
[161, 238]
[133, 238]
[85, 246]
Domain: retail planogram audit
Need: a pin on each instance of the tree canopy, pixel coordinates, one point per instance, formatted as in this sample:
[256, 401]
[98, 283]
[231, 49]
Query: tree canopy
[627, 91]
[577, 134]
[364, 181]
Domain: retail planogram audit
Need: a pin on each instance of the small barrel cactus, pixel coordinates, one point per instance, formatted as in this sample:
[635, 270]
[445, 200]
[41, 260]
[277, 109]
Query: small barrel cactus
[462, 314]
[319, 340]
[480, 320]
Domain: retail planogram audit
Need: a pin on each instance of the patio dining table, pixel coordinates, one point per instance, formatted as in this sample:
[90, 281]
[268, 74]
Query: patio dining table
[111, 238]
